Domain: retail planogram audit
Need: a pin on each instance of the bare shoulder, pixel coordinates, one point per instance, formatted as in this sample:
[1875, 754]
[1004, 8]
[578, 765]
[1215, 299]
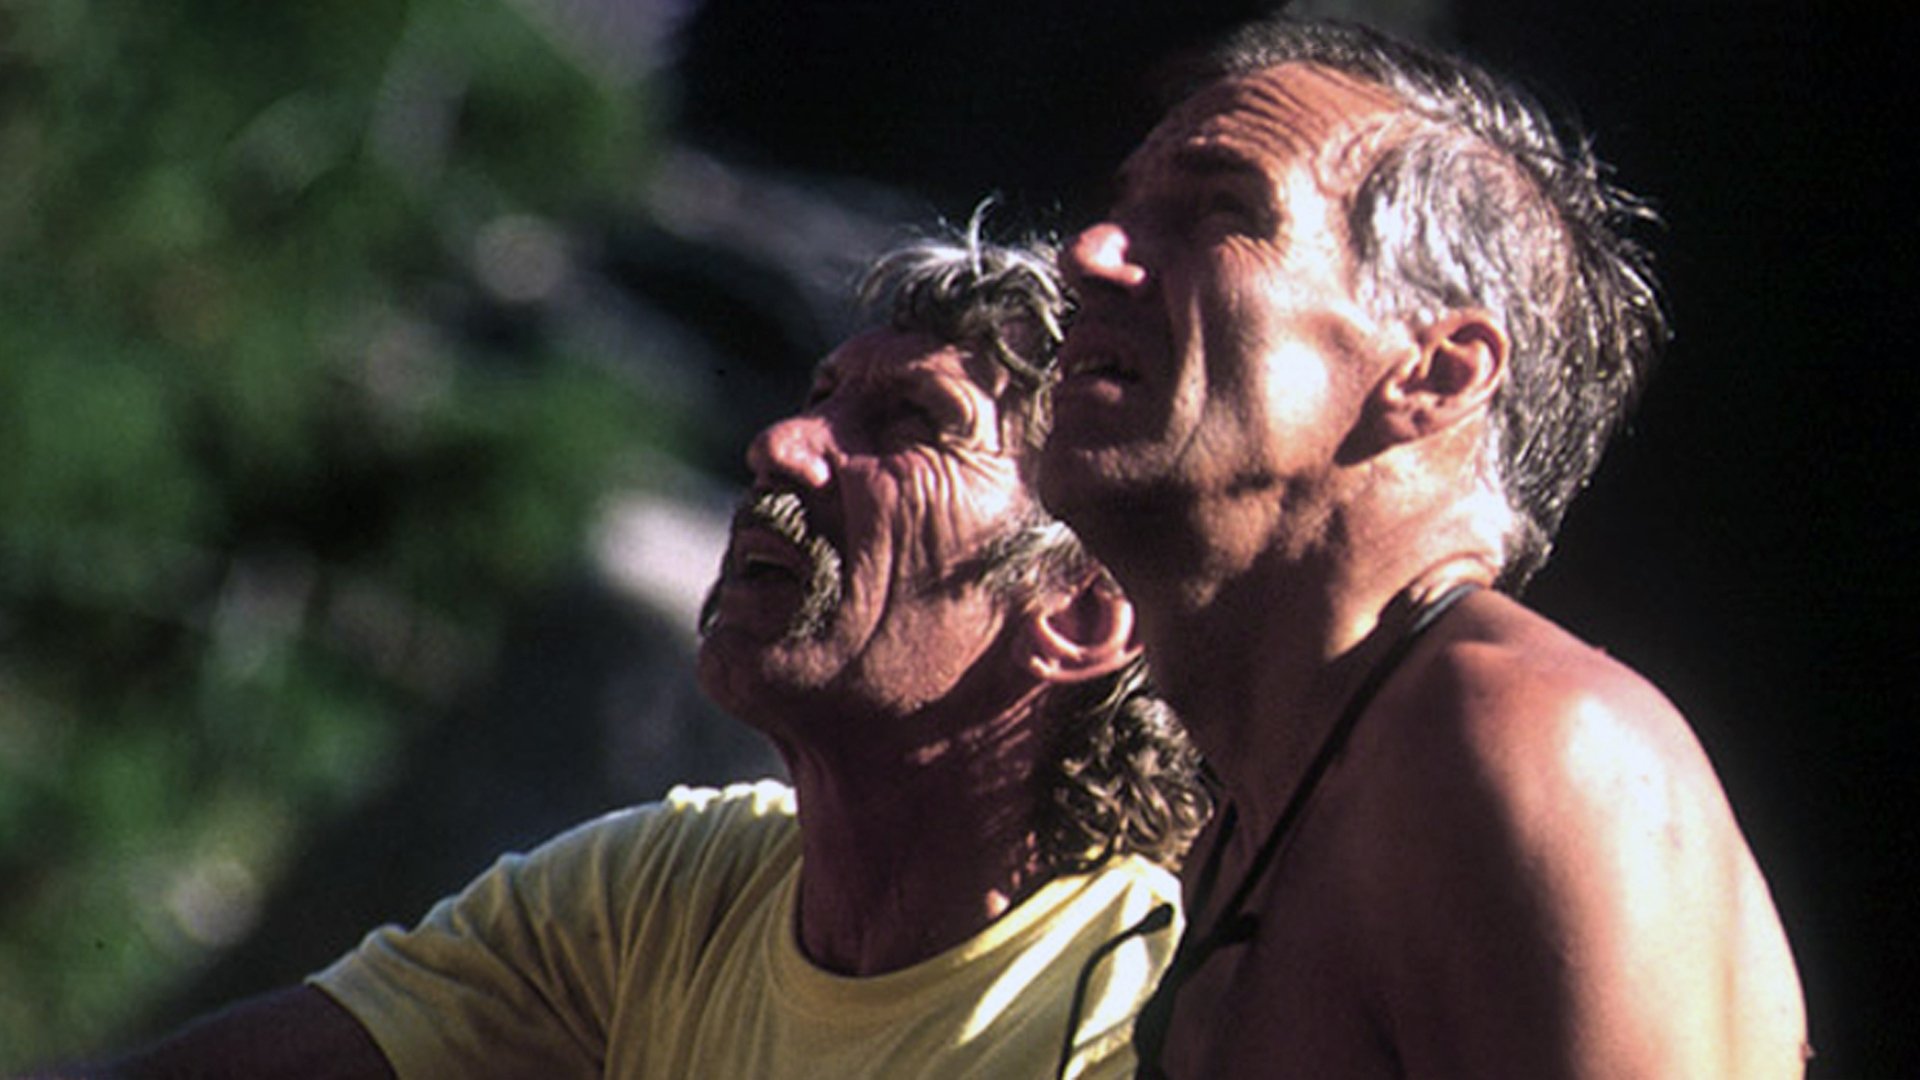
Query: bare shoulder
[1534, 712]
[1575, 861]
[1522, 734]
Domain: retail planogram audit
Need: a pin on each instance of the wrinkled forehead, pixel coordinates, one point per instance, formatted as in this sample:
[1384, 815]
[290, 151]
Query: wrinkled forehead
[886, 362]
[887, 353]
[1295, 112]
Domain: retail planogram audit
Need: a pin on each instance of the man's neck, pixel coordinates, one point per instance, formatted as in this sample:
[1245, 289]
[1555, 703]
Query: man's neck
[1261, 658]
[909, 851]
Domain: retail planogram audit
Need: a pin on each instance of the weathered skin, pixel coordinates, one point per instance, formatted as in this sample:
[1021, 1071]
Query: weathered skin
[1522, 865]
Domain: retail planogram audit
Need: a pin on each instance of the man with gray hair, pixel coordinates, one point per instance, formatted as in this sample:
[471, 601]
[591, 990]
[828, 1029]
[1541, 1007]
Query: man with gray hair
[969, 874]
[1355, 331]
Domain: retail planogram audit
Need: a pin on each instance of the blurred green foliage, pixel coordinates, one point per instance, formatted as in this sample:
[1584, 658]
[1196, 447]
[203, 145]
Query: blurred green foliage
[274, 460]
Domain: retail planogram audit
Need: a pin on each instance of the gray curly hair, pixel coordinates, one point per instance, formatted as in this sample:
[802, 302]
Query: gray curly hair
[1486, 204]
[1122, 777]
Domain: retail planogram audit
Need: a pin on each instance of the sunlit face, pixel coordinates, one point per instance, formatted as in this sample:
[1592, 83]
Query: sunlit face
[1220, 355]
[852, 579]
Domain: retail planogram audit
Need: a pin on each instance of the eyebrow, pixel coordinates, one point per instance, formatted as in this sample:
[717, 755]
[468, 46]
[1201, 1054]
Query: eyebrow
[1209, 163]
[1203, 161]
[897, 377]
[1208, 160]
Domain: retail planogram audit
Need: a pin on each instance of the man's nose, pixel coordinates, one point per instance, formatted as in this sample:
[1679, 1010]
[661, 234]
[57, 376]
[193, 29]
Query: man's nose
[791, 451]
[1103, 253]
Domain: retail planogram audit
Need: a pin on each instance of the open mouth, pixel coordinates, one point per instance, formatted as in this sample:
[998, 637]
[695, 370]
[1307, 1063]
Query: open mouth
[774, 550]
[772, 539]
[1098, 364]
[756, 558]
[1096, 352]
[756, 567]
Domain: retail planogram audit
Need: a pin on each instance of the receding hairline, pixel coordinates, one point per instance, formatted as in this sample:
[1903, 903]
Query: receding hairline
[1341, 135]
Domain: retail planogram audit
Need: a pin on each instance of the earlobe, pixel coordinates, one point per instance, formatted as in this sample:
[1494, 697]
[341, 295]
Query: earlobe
[1081, 635]
[1459, 361]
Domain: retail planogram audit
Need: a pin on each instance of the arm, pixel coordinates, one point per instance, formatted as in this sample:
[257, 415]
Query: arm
[298, 1033]
[1593, 910]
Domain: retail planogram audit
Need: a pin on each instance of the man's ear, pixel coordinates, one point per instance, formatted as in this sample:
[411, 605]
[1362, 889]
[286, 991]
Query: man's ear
[1459, 360]
[1082, 634]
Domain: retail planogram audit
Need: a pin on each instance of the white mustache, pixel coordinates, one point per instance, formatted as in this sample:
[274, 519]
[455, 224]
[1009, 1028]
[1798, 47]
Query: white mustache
[785, 515]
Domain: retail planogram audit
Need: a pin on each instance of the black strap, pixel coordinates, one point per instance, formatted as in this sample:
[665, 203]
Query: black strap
[1234, 925]
[1153, 922]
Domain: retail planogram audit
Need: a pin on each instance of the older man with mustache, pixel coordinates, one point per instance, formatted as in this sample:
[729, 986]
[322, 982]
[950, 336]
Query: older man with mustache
[967, 877]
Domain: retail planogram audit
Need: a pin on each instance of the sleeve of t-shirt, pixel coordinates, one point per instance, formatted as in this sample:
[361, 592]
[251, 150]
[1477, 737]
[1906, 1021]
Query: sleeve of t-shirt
[519, 973]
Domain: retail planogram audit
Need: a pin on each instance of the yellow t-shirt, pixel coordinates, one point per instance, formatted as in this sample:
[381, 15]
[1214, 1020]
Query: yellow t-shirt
[657, 942]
